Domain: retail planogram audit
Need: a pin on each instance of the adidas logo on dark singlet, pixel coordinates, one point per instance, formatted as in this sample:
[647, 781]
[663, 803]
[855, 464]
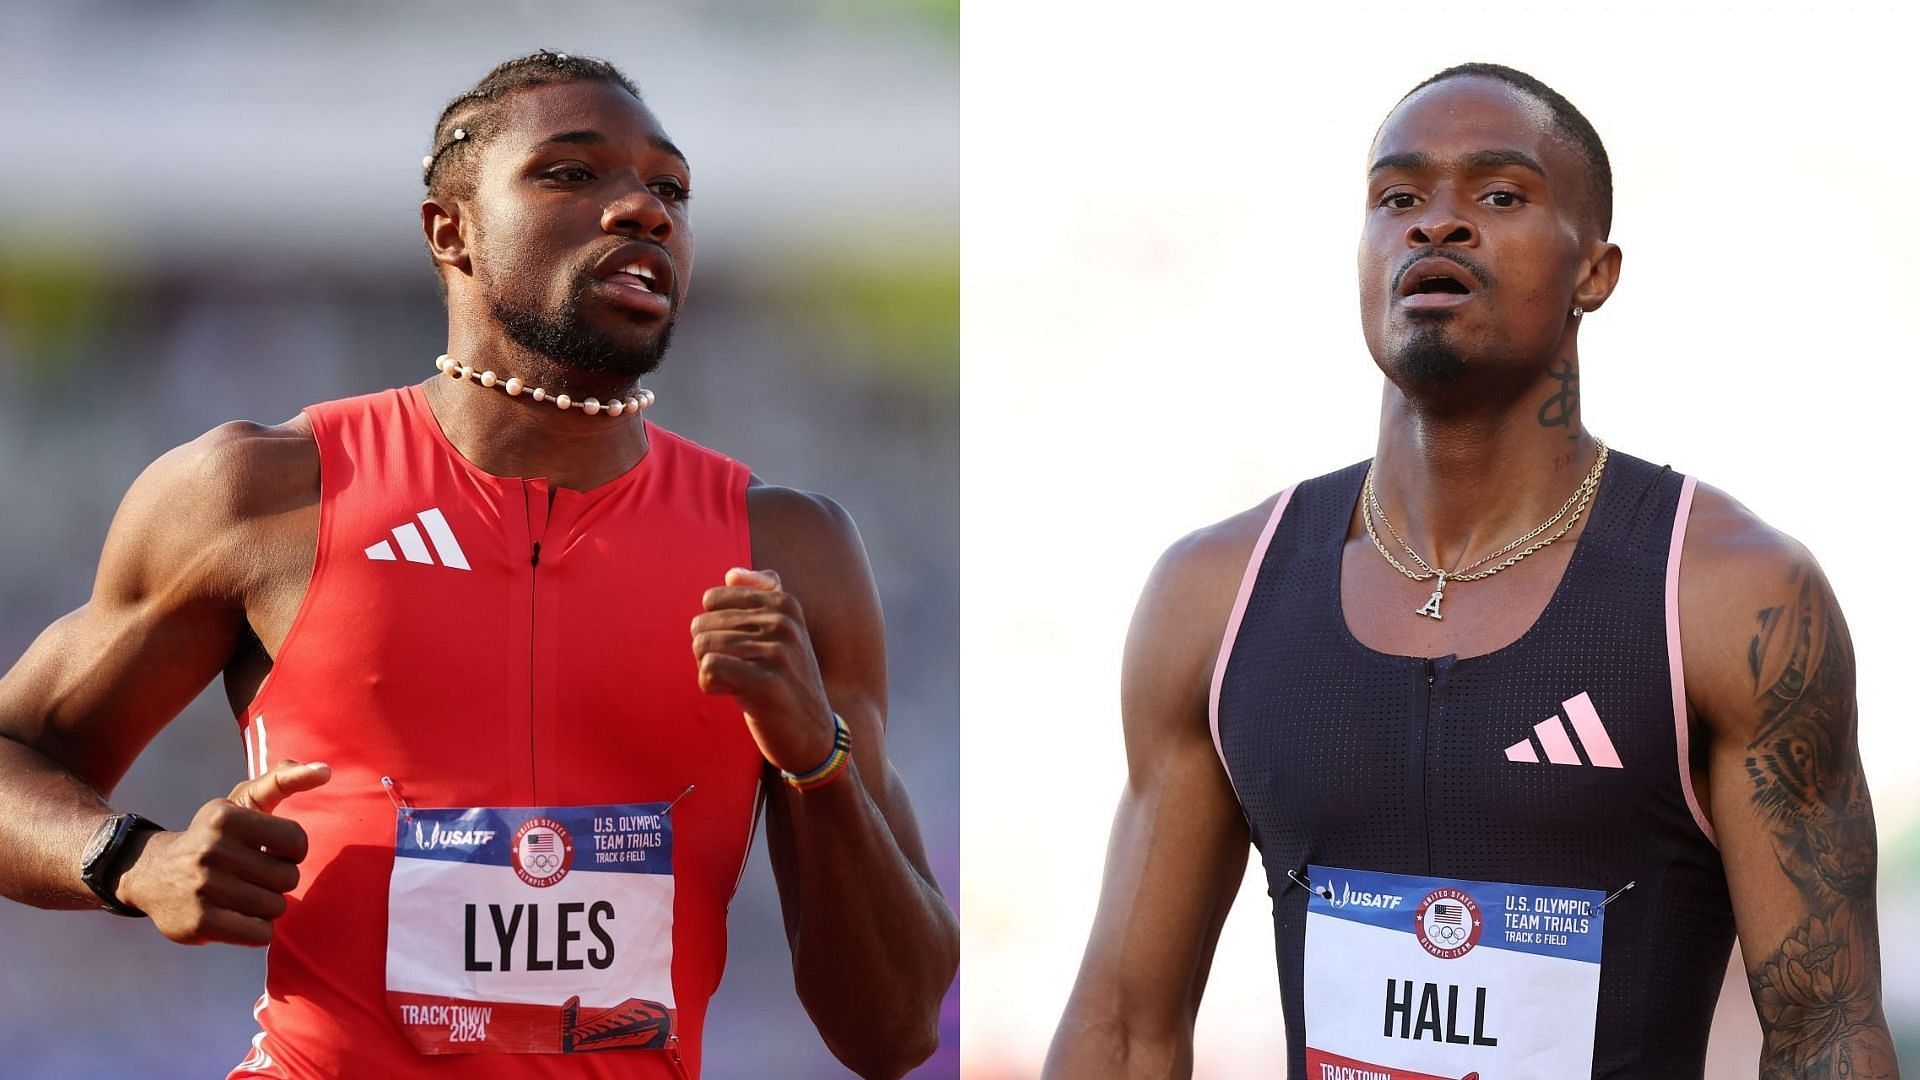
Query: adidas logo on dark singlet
[1558, 742]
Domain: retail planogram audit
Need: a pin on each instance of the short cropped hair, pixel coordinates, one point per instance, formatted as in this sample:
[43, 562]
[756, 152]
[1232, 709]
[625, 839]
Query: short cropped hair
[1573, 126]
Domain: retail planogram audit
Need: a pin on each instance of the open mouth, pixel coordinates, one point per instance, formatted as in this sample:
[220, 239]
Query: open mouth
[641, 291]
[1438, 285]
[1436, 282]
[639, 276]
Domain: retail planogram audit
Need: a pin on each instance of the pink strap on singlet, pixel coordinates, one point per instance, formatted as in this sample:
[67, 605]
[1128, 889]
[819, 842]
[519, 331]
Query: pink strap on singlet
[1233, 624]
[1674, 667]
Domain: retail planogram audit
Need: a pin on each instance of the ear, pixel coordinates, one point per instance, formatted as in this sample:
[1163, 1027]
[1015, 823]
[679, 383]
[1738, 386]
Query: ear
[1602, 273]
[446, 232]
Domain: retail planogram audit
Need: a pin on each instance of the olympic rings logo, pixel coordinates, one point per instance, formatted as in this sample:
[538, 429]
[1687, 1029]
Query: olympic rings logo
[1447, 922]
[542, 852]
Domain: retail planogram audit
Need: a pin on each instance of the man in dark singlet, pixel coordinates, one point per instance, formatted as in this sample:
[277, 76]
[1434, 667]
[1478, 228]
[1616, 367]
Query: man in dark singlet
[515, 671]
[1521, 727]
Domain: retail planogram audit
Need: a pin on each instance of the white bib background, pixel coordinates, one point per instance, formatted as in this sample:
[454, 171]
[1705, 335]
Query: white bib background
[532, 929]
[1415, 978]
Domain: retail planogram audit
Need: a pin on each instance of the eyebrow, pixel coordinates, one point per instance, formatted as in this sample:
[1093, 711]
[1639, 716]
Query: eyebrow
[1472, 161]
[595, 138]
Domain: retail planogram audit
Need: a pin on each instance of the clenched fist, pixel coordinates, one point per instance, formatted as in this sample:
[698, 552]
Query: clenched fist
[752, 643]
[225, 876]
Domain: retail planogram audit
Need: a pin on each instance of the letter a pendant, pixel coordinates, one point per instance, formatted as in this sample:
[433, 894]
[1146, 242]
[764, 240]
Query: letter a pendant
[1431, 609]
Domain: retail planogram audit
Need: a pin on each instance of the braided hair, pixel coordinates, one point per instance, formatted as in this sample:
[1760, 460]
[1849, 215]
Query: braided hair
[468, 119]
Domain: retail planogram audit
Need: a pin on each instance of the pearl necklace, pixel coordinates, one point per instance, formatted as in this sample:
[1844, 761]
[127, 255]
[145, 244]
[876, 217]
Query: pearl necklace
[514, 388]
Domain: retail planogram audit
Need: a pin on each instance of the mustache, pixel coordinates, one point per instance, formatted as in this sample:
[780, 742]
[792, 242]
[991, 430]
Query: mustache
[1480, 275]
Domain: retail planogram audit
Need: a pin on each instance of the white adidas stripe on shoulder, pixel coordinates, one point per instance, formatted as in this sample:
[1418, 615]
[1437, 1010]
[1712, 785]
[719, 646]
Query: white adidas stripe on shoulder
[254, 735]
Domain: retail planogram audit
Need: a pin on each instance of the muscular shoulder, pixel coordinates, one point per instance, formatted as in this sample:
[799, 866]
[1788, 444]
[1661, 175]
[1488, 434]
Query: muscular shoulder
[1754, 604]
[811, 542]
[233, 474]
[1184, 607]
[1182, 616]
[799, 532]
[192, 519]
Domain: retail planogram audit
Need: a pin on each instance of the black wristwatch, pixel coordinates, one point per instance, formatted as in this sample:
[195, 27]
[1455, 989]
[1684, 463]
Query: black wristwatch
[100, 863]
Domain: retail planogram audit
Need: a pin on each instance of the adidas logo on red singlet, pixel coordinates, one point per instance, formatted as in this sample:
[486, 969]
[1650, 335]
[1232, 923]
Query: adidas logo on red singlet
[1558, 742]
[414, 549]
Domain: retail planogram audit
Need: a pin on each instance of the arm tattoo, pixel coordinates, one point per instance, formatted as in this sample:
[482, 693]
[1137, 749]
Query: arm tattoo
[1818, 995]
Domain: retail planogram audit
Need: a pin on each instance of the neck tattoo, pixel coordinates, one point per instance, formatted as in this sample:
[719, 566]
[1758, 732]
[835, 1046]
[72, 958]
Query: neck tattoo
[1563, 404]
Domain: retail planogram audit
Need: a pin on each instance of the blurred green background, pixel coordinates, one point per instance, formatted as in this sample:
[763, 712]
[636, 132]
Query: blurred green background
[210, 212]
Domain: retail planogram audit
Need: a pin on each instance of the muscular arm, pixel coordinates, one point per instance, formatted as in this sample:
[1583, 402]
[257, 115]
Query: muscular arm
[1788, 798]
[166, 614]
[874, 943]
[1179, 843]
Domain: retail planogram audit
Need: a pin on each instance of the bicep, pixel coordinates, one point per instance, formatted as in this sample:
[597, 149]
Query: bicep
[97, 684]
[1178, 848]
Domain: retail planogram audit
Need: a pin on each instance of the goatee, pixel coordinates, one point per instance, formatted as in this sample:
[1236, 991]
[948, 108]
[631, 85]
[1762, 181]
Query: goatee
[1428, 357]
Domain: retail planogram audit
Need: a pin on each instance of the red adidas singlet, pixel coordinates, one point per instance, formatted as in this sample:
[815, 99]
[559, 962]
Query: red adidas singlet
[500, 643]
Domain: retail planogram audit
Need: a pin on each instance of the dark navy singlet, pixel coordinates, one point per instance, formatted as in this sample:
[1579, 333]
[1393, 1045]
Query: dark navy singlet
[1494, 767]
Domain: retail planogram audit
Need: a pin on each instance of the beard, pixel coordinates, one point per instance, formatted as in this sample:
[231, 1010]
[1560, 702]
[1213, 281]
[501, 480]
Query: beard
[1429, 357]
[565, 337]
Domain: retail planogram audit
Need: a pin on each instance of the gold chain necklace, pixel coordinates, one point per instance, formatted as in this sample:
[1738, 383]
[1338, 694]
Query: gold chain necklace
[1570, 510]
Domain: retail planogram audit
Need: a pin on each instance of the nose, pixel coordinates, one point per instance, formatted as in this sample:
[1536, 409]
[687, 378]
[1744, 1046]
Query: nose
[638, 212]
[1440, 225]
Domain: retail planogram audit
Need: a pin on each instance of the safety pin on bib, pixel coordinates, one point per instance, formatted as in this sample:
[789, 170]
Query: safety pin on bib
[1300, 879]
[1615, 895]
[399, 801]
[676, 800]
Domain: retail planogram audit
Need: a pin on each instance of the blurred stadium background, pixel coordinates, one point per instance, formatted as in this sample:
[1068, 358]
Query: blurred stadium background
[209, 212]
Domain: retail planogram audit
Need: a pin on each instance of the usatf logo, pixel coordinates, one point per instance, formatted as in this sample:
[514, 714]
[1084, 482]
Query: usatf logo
[542, 852]
[439, 837]
[1346, 894]
[1447, 922]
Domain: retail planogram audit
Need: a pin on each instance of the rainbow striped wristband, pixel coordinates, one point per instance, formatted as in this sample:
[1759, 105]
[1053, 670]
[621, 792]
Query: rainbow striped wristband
[835, 764]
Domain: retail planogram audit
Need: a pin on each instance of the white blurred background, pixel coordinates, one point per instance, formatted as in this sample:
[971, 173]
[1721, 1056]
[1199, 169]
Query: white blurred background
[1162, 210]
[209, 211]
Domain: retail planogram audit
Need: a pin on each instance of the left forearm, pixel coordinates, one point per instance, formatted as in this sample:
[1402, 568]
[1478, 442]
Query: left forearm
[1818, 997]
[875, 945]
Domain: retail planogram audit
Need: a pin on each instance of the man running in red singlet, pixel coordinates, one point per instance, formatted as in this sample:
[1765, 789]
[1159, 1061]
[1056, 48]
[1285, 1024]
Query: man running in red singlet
[515, 670]
[1521, 727]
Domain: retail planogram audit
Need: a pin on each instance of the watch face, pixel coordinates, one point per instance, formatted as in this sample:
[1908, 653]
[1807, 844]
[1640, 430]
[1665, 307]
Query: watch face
[101, 838]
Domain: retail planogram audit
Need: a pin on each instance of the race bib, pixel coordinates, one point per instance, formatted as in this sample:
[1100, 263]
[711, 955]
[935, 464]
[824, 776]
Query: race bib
[532, 930]
[1417, 978]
